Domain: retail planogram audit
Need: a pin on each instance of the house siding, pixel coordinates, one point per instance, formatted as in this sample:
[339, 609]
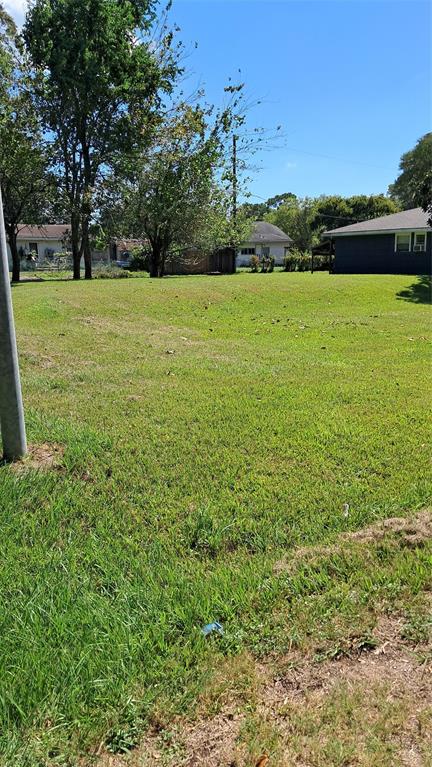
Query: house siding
[277, 250]
[375, 254]
[56, 246]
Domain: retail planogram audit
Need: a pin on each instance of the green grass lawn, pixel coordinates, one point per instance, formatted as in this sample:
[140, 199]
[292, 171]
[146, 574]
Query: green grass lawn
[210, 426]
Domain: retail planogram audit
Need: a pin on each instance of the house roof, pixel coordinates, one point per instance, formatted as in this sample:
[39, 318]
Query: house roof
[408, 220]
[264, 232]
[44, 232]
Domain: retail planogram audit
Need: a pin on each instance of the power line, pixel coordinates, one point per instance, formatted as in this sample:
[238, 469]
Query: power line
[337, 159]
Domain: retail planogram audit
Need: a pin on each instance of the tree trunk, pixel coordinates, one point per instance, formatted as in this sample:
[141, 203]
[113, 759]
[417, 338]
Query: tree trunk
[76, 250]
[86, 250]
[87, 262]
[86, 207]
[155, 261]
[76, 256]
[157, 258]
[16, 265]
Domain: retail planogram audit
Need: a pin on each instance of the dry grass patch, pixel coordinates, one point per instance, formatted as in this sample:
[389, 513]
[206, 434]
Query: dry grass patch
[406, 531]
[371, 708]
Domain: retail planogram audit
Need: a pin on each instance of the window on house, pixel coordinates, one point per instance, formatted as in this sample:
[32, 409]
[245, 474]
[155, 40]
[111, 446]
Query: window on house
[420, 241]
[247, 251]
[265, 250]
[403, 242]
[33, 247]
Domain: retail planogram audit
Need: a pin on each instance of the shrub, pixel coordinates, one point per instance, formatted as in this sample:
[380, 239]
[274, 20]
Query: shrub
[297, 261]
[254, 263]
[290, 262]
[107, 272]
[139, 260]
[323, 262]
[304, 262]
[267, 264]
[68, 259]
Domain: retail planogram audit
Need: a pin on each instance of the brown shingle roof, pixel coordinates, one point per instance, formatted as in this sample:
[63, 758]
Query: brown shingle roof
[43, 232]
[412, 219]
[264, 232]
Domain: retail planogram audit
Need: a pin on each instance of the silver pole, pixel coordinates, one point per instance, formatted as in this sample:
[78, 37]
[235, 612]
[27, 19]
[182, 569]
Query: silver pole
[11, 407]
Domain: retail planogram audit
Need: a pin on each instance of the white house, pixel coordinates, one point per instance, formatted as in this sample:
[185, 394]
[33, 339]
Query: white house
[43, 241]
[46, 243]
[265, 240]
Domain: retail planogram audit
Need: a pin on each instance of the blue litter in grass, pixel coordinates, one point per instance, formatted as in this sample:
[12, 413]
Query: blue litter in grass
[212, 627]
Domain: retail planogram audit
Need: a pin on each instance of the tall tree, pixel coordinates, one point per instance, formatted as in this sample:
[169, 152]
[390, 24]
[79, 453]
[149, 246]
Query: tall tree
[295, 217]
[172, 188]
[25, 180]
[259, 210]
[334, 211]
[413, 186]
[99, 81]
[8, 33]
[24, 176]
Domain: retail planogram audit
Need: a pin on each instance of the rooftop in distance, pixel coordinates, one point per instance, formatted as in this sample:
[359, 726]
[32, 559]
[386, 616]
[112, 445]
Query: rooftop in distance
[408, 220]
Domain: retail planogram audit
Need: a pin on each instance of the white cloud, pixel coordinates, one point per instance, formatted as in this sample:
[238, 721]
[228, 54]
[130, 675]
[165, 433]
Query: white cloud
[17, 9]
[290, 165]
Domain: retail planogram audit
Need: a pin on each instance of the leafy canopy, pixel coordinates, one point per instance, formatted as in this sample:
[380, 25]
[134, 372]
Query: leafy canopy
[305, 219]
[99, 80]
[413, 186]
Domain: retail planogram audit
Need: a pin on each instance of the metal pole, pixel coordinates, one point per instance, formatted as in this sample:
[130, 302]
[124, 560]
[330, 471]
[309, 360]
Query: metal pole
[234, 198]
[11, 407]
[234, 184]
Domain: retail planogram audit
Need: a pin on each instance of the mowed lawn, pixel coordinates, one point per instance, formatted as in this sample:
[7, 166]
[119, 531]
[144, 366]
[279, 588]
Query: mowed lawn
[207, 430]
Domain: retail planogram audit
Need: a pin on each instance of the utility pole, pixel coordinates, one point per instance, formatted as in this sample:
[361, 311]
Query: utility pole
[234, 200]
[234, 175]
[11, 407]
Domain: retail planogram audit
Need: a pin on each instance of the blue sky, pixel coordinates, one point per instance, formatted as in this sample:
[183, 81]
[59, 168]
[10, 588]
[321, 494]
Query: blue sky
[349, 80]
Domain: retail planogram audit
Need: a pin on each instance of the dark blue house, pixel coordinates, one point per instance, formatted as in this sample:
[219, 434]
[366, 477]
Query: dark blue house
[397, 244]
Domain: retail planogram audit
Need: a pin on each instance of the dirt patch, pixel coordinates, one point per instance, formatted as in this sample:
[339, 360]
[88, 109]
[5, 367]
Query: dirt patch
[408, 531]
[39, 360]
[392, 660]
[209, 742]
[46, 456]
[373, 704]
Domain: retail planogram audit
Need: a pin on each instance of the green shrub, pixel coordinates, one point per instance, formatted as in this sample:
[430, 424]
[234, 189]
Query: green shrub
[301, 261]
[304, 262]
[297, 261]
[267, 264]
[323, 262]
[139, 260]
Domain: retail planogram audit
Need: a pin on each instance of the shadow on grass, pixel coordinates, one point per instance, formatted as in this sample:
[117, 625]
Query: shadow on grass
[39, 280]
[419, 292]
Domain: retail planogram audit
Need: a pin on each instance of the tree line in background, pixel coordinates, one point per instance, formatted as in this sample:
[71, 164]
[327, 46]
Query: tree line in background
[96, 132]
[305, 219]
